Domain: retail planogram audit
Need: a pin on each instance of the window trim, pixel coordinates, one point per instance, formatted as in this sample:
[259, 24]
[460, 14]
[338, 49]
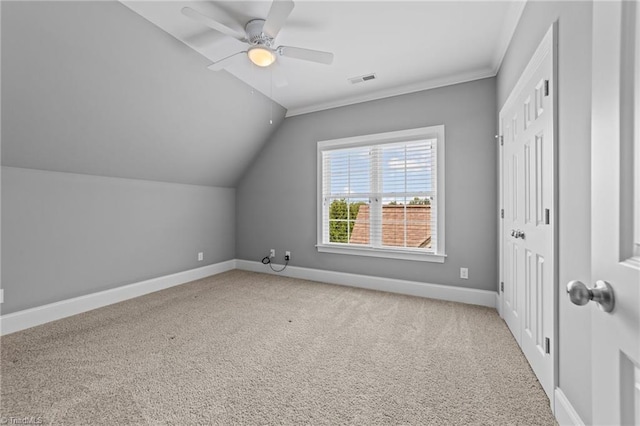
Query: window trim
[430, 132]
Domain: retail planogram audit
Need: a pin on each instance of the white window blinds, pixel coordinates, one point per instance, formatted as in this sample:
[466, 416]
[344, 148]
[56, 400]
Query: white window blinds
[381, 195]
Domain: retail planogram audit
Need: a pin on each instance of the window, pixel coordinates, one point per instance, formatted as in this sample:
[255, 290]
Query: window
[383, 195]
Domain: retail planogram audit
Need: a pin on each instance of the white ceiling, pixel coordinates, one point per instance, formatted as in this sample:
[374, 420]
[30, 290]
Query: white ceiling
[409, 45]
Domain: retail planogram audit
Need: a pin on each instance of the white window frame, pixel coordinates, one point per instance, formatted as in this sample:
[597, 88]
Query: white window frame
[431, 132]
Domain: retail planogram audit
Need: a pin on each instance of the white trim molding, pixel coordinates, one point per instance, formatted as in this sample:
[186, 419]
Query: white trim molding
[412, 288]
[434, 83]
[514, 13]
[564, 411]
[378, 252]
[28, 318]
[428, 140]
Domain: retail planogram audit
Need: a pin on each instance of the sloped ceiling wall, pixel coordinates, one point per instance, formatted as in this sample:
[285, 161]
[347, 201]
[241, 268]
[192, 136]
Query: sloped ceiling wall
[93, 88]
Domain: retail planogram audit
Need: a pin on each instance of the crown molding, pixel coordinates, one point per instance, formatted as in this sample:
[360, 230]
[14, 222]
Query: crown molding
[395, 91]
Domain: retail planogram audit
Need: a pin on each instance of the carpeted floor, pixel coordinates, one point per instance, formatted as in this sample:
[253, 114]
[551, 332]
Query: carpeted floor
[247, 348]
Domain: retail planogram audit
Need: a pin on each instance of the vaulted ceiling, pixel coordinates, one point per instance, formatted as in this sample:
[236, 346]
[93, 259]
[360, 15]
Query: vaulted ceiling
[93, 88]
[123, 90]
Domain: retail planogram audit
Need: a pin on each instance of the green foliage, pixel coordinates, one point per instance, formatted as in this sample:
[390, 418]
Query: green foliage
[420, 202]
[342, 211]
[415, 202]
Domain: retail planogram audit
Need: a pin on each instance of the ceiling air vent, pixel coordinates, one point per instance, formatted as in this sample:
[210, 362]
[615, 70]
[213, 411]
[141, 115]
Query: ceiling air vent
[362, 78]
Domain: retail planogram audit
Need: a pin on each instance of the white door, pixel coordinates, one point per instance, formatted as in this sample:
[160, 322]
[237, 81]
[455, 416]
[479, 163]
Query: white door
[615, 211]
[528, 203]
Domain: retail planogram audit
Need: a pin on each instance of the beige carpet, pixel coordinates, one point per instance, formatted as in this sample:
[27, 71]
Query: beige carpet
[247, 348]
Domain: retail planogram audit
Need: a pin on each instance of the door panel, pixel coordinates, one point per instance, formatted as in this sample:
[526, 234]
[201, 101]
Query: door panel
[615, 210]
[527, 259]
[539, 178]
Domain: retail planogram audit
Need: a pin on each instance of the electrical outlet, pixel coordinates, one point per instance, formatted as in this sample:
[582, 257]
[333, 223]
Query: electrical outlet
[272, 253]
[200, 257]
[464, 273]
[287, 255]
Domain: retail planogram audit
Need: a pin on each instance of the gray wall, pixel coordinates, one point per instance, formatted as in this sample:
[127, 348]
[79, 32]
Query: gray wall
[276, 199]
[94, 88]
[574, 97]
[66, 235]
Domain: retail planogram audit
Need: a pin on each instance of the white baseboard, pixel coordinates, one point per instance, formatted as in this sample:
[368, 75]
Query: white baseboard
[28, 318]
[412, 288]
[565, 413]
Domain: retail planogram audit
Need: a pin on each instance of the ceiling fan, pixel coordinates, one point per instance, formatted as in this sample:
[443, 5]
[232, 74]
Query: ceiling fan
[259, 35]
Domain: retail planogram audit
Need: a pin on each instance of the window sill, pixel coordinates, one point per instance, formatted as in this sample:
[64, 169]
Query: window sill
[385, 253]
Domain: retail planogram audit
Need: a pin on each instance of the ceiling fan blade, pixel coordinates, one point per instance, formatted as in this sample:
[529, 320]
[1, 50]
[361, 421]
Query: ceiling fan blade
[212, 23]
[306, 54]
[225, 62]
[278, 14]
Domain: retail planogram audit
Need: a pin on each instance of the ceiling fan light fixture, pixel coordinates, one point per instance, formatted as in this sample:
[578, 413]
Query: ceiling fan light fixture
[261, 56]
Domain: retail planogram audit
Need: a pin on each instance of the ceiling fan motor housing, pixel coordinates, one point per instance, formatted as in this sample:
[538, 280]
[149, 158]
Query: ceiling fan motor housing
[255, 36]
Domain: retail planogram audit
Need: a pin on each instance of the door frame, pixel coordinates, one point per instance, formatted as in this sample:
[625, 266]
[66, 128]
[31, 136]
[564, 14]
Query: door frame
[548, 44]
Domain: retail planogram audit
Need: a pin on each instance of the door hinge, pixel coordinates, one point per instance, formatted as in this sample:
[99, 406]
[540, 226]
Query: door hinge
[501, 213]
[547, 214]
[501, 285]
[501, 139]
[547, 345]
[546, 87]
